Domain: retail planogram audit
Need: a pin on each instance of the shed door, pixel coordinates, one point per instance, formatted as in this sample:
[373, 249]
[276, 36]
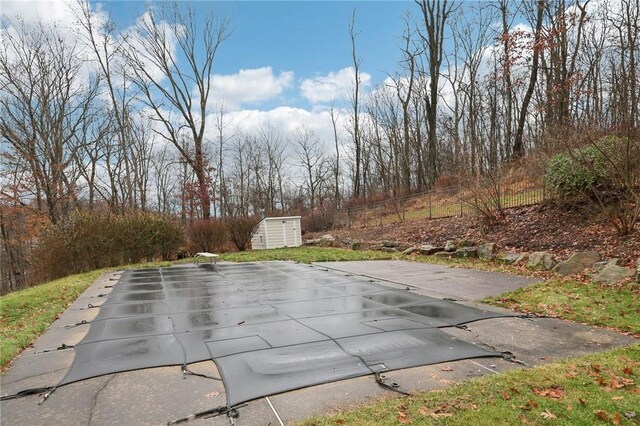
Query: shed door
[294, 224]
[284, 232]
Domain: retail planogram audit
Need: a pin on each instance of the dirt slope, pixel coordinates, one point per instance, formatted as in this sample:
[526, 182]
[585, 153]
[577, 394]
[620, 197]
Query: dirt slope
[532, 228]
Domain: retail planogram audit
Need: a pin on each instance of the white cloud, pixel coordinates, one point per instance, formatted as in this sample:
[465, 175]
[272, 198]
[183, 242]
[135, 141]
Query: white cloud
[250, 86]
[58, 12]
[335, 85]
[284, 120]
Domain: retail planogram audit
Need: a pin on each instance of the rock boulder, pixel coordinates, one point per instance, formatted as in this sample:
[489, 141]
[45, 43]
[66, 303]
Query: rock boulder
[444, 254]
[541, 261]
[576, 263]
[411, 250]
[513, 258]
[465, 243]
[487, 251]
[612, 274]
[428, 249]
[466, 252]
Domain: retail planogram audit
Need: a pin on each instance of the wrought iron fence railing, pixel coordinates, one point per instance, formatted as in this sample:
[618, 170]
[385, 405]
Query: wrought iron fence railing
[461, 199]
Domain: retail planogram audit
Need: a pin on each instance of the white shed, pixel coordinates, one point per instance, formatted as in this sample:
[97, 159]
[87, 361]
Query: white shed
[274, 232]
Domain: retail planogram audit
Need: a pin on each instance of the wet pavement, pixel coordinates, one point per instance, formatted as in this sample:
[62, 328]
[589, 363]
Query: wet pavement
[316, 314]
[434, 280]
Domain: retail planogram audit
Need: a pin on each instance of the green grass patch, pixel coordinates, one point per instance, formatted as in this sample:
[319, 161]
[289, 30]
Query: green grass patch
[471, 263]
[384, 214]
[25, 314]
[609, 306]
[307, 255]
[596, 389]
[567, 298]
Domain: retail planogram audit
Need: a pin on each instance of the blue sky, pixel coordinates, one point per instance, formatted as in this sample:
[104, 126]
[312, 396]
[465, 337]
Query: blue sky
[285, 60]
[308, 38]
[304, 36]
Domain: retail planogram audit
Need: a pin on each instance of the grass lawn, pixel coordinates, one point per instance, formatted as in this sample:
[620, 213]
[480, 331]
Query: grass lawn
[597, 389]
[609, 306]
[307, 255]
[25, 314]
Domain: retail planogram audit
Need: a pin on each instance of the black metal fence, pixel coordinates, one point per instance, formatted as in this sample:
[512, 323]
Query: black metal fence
[468, 198]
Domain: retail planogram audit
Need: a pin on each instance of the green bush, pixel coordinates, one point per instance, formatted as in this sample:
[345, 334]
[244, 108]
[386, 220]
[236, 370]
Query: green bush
[586, 171]
[87, 241]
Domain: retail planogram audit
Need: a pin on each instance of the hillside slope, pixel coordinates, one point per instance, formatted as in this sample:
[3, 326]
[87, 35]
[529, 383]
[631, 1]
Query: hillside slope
[531, 228]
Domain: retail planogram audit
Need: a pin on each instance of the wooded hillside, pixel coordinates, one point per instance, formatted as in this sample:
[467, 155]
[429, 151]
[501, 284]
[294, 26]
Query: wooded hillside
[119, 122]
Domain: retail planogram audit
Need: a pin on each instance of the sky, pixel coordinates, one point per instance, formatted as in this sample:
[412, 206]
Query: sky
[285, 61]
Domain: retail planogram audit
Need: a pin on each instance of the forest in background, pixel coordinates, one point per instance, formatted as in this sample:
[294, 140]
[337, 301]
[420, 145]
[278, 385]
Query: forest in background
[121, 124]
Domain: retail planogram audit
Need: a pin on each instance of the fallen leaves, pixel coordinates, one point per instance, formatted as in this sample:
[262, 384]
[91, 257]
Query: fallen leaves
[621, 382]
[402, 416]
[525, 229]
[602, 415]
[572, 374]
[529, 405]
[434, 376]
[436, 414]
[617, 419]
[546, 414]
[552, 392]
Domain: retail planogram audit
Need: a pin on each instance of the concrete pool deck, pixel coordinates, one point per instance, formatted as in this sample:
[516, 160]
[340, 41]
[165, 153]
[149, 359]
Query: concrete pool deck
[160, 395]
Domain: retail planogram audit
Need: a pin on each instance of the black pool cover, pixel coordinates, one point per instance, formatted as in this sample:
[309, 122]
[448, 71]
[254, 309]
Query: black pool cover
[270, 327]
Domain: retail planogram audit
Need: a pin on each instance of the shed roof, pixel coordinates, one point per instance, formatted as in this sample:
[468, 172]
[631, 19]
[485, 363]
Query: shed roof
[281, 217]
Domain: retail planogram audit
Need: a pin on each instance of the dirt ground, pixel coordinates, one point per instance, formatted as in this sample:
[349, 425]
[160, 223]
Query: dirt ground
[531, 228]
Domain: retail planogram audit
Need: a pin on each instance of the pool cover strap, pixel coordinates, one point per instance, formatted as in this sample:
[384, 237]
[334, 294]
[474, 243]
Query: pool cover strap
[212, 412]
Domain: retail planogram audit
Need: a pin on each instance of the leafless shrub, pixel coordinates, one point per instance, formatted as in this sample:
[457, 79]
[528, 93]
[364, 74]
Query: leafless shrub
[207, 235]
[484, 195]
[88, 241]
[240, 229]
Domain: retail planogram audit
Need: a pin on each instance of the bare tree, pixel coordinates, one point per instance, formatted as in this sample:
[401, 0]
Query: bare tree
[405, 91]
[45, 98]
[335, 115]
[506, 59]
[518, 146]
[355, 105]
[223, 137]
[165, 179]
[434, 15]
[178, 93]
[271, 153]
[95, 131]
[313, 162]
[107, 49]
